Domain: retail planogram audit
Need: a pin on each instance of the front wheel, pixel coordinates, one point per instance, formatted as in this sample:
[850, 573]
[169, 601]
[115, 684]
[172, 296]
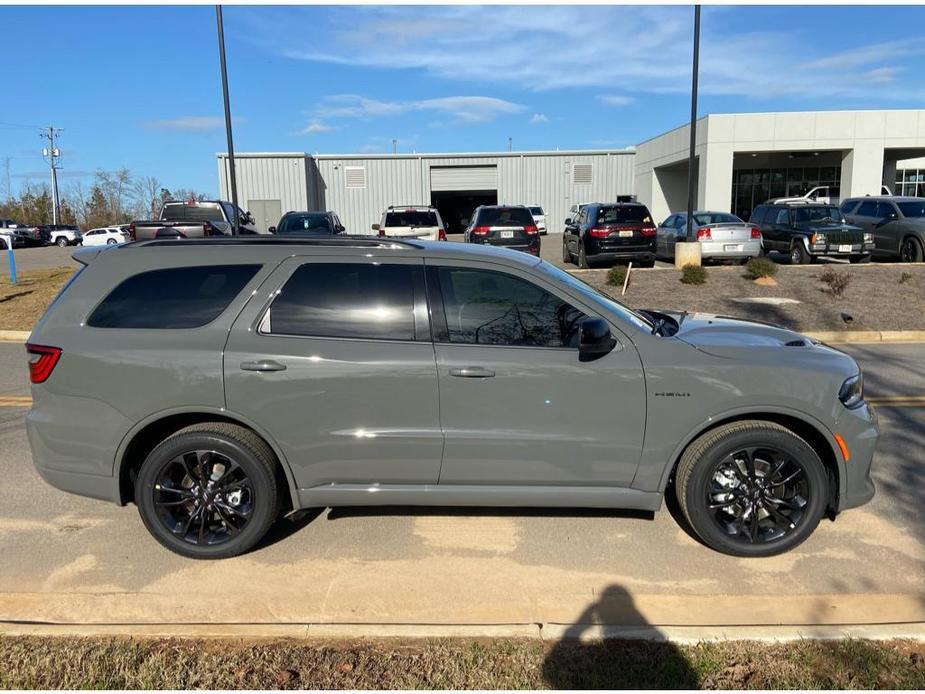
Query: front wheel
[582, 257]
[209, 491]
[566, 255]
[752, 488]
[798, 255]
[859, 258]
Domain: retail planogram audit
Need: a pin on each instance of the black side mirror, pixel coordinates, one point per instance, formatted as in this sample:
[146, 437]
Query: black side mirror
[568, 222]
[272, 230]
[595, 339]
[338, 229]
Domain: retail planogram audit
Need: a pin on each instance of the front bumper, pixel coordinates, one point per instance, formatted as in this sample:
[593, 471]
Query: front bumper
[833, 250]
[860, 430]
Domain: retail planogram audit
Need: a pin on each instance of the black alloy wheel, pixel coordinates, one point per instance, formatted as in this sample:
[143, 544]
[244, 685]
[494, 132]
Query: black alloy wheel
[910, 251]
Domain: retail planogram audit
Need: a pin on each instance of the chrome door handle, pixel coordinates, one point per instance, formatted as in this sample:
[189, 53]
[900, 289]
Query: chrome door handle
[262, 365]
[472, 372]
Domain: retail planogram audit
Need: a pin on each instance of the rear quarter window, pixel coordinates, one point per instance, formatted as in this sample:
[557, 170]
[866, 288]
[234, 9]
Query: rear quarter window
[174, 298]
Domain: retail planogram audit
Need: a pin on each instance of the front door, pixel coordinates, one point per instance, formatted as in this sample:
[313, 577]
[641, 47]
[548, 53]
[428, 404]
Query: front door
[516, 405]
[339, 370]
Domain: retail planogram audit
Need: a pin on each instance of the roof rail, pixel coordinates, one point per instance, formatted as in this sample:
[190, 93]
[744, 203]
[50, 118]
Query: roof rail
[270, 240]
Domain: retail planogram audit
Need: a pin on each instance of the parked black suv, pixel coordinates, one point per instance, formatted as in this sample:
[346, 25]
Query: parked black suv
[609, 232]
[308, 224]
[806, 231]
[511, 226]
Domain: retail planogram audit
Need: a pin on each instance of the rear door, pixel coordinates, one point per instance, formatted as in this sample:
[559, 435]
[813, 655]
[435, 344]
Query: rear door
[516, 404]
[887, 229]
[333, 359]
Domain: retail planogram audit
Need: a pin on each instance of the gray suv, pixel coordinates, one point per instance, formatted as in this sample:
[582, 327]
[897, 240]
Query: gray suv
[220, 382]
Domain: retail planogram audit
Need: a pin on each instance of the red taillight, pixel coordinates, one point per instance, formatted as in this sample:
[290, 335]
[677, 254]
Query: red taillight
[599, 232]
[480, 231]
[531, 229]
[704, 233]
[381, 231]
[648, 232]
[756, 233]
[42, 361]
[206, 229]
[441, 234]
[131, 231]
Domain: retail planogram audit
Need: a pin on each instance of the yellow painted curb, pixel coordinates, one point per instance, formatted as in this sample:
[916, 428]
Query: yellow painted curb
[15, 401]
[862, 336]
[14, 335]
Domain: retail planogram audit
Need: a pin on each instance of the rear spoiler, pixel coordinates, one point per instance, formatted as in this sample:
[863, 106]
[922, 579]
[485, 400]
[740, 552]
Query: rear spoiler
[85, 256]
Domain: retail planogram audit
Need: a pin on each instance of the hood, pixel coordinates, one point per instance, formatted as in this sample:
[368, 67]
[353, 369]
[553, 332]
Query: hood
[717, 333]
[822, 228]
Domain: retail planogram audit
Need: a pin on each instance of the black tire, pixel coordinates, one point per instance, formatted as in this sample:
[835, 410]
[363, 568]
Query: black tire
[258, 466]
[646, 263]
[61, 242]
[859, 259]
[111, 242]
[582, 257]
[798, 255]
[911, 250]
[566, 254]
[705, 466]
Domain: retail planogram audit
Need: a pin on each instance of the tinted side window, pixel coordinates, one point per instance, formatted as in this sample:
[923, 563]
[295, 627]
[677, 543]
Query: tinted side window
[885, 209]
[185, 297]
[347, 300]
[493, 308]
[758, 214]
[847, 206]
[868, 208]
[782, 216]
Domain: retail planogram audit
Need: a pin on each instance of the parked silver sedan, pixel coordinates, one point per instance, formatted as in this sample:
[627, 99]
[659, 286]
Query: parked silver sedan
[722, 236]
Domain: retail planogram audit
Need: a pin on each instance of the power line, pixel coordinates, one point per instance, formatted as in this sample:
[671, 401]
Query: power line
[20, 125]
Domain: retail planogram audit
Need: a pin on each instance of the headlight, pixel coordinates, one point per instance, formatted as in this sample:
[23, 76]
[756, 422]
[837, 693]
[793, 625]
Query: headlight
[851, 392]
[868, 237]
[818, 239]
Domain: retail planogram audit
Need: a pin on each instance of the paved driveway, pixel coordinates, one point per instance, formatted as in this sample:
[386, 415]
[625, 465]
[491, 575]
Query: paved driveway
[70, 559]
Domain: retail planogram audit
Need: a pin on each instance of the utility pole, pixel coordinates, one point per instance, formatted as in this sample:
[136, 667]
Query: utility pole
[221, 55]
[52, 154]
[9, 185]
[394, 146]
[510, 144]
[691, 180]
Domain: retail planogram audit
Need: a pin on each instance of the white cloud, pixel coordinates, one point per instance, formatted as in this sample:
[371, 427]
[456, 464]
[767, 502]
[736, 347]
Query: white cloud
[315, 127]
[190, 123]
[473, 44]
[616, 99]
[460, 109]
[539, 118]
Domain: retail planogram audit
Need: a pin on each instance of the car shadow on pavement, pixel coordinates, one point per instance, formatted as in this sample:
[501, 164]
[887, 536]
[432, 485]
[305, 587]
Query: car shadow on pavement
[288, 525]
[638, 657]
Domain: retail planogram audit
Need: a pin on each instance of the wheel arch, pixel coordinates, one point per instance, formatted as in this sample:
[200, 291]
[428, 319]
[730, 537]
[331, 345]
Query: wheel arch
[916, 235]
[814, 432]
[145, 435]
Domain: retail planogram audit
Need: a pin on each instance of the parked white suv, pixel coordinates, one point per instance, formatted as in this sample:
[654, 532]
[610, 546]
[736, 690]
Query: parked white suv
[539, 217]
[412, 222]
[105, 236]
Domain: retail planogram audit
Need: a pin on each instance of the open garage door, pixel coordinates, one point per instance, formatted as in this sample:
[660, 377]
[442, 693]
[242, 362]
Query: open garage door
[456, 207]
[459, 178]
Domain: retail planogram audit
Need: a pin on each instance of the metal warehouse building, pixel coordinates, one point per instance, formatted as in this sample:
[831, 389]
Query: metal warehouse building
[360, 187]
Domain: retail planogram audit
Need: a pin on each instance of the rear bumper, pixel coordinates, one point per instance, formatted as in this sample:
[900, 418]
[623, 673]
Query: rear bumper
[732, 249]
[532, 247]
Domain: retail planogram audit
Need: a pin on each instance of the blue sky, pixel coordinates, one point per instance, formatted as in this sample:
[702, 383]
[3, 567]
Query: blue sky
[139, 87]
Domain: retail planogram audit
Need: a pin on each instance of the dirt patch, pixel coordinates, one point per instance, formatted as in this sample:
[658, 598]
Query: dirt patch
[23, 303]
[66, 663]
[875, 298]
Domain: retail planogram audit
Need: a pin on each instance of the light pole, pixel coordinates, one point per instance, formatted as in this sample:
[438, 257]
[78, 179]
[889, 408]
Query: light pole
[231, 175]
[691, 181]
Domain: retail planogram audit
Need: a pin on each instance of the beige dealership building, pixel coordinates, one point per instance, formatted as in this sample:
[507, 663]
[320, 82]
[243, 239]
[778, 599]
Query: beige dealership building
[742, 160]
[745, 158]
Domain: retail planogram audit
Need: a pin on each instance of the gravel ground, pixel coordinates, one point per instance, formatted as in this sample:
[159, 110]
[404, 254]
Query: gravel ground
[875, 298]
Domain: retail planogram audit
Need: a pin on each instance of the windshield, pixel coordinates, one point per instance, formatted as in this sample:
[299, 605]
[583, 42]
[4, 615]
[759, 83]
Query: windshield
[912, 209]
[631, 316]
[716, 218]
[411, 218]
[630, 214]
[817, 214]
[536, 211]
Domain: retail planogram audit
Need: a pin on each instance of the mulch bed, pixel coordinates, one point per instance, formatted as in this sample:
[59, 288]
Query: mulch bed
[877, 296]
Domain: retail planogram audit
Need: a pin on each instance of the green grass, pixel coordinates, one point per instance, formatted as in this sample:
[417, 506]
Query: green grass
[66, 663]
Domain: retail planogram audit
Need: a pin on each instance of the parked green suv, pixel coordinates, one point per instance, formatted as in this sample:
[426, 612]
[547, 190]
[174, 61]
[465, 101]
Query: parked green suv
[220, 382]
[806, 231]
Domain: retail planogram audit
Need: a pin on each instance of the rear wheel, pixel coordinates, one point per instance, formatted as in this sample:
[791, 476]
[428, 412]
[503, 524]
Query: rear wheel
[111, 242]
[752, 488]
[582, 257]
[61, 242]
[209, 491]
[911, 250]
[646, 263]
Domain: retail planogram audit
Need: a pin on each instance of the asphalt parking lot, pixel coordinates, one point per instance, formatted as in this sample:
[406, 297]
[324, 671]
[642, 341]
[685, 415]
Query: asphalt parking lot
[70, 559]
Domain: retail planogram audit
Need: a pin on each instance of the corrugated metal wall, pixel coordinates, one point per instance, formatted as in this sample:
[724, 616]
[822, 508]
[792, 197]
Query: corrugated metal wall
[543, 178]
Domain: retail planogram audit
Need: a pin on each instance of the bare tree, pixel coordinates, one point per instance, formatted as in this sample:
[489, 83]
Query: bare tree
[146, 195]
